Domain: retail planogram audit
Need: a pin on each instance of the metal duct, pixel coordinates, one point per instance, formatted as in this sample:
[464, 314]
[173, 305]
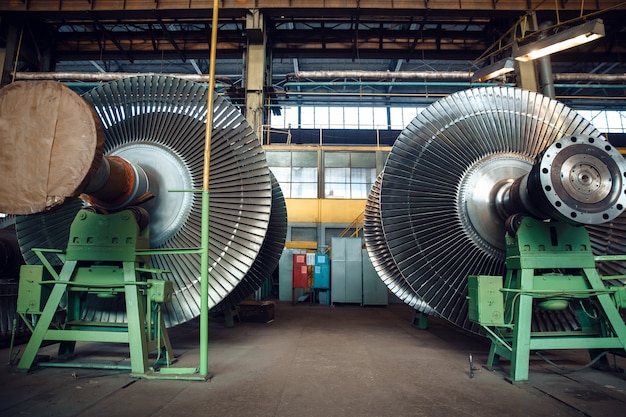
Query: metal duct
[434, 195]
[368, 75]
[158, 124]
[435, 75]
[583, 76]
[107, 76]
[383, 75]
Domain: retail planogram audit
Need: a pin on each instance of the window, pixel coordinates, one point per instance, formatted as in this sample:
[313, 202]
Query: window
[306, 234]
[340, 117]
[349, 175]
[296, 172]
[397, 118]
[615, 121]
[351, 115]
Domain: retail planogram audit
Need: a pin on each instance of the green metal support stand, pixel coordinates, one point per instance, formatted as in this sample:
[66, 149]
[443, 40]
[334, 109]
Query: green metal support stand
[102, 260]
[549, 265]
[420, 320]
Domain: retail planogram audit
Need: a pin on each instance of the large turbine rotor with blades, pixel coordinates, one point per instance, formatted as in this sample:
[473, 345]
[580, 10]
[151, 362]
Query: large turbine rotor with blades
[462, 166]
[155, 125]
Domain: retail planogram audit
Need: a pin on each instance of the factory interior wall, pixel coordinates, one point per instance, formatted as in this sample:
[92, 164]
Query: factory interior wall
[324, 210]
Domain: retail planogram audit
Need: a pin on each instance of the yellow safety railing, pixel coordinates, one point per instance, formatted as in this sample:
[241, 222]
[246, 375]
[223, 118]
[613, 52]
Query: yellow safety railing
[353, 230]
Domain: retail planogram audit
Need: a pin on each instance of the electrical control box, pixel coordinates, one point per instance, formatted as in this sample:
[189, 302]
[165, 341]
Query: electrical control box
[321, 271]
[300, 271]
[486, 301]
[31, 296]
[160, 291]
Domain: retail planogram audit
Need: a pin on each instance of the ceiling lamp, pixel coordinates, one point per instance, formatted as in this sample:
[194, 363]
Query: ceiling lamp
[568, 38]
[494, 70]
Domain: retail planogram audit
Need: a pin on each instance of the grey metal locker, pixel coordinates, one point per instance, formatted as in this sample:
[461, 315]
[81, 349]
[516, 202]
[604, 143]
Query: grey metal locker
[374, 289]
[346, 270]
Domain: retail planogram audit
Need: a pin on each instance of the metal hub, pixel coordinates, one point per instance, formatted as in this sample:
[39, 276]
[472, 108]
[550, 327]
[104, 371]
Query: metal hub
[169, 179]
[581, 177]
[588, 181]
[481, 192]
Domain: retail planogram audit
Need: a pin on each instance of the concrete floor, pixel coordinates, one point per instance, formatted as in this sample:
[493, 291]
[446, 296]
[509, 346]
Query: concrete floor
[319, 361]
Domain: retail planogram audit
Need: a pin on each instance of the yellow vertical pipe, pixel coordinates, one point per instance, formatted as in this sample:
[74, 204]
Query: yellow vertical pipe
[204, 283]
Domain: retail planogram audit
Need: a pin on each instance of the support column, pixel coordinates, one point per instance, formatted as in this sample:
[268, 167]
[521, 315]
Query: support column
[256, 70]
[526, 71]
[136, 318]
[544, 68]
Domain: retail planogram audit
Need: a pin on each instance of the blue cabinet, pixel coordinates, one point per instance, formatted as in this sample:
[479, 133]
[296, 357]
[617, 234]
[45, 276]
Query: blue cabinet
[321, 271]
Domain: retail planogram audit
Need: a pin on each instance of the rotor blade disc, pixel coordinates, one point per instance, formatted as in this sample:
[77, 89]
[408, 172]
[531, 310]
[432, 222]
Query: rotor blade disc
[431, 214]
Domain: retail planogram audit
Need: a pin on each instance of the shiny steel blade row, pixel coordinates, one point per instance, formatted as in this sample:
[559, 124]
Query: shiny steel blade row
[379, 252]
[269, 255]
[417, 230]
[158, 122]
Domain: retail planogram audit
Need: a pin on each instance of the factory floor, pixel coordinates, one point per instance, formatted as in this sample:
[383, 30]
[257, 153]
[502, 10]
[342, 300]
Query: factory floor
[317, 360]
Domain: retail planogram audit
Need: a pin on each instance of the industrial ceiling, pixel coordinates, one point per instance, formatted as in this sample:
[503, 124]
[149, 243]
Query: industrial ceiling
[440, 42]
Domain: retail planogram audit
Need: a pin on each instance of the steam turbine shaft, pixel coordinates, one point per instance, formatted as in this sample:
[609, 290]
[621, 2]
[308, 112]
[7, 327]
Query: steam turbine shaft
[577, 179]
[117, 183]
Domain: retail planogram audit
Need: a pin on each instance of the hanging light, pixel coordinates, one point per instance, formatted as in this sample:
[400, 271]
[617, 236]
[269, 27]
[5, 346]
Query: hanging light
[566, 39]
[494, 70]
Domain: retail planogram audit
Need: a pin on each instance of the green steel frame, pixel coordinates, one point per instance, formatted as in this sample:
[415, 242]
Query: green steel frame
[550, 265]
[106, 256]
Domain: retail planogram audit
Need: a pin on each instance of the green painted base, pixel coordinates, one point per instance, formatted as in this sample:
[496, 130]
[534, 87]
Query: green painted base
[181, 374]
[536, 257]
[420, 320]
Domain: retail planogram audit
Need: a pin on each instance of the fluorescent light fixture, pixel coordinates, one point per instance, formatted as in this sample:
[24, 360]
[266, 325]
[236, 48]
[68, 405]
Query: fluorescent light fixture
[494, 70]
[569, 38]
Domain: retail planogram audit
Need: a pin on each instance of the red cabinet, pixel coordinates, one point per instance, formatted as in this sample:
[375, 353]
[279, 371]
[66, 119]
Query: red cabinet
[300, 271]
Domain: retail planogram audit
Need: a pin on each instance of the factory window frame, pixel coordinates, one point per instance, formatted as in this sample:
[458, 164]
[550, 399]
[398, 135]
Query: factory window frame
[349, 175]
[295, 171]
[397, 118]
[343, 117]
[606, 121]
[306, 234]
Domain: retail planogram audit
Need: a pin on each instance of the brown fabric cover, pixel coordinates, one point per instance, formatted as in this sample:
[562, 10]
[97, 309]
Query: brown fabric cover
[50, 144]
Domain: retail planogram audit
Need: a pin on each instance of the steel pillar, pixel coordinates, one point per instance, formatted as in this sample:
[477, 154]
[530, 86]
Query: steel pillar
[257, 70]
